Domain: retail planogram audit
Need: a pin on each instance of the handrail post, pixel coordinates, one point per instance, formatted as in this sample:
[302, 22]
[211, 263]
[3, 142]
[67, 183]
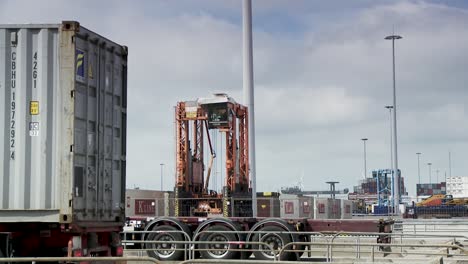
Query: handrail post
[401, 242]
[358, 247]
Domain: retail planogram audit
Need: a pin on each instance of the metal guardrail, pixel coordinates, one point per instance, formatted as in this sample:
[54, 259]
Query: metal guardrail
[231, 261]
[329, 243]
[189, 244]
[192, 249]
[78, 259]
[186, 243]
[373, 245]
[431, 226]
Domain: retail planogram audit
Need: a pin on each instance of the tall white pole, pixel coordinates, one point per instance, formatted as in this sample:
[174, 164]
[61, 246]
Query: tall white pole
[395, 145]
[249, 94]
[396, 184]
[419, 170]
[365, 157]
[430, 180]
[391, 141]
[162, 165]
[450, 164]
[390, 107]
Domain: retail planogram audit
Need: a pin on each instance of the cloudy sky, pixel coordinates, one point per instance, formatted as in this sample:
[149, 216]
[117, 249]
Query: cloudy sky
[323, 75]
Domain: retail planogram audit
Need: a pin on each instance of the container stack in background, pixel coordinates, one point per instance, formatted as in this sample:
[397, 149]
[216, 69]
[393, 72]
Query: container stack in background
[428, 189]
[457, 186]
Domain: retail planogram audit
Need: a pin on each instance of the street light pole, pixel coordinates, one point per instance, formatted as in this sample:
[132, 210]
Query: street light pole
[162, 165]
[365, 158]
[248, 88]
[450, 164]
[389, 107]
[396, 183]
[419, 171]
[429, 164]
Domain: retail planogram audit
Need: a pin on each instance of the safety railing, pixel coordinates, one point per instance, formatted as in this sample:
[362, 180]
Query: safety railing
[374, 245]
[79, 259]
[143, 241]
[431, 226]
[250, 261]
[191, 246]
[191, 251]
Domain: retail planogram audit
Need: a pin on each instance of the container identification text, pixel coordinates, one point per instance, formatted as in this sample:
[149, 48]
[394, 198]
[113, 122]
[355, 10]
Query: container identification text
[13, 105]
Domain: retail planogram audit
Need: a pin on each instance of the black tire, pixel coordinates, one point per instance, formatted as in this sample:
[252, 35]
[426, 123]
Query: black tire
[273, 238]
[165, 251]
[2, 255]
[218, 250]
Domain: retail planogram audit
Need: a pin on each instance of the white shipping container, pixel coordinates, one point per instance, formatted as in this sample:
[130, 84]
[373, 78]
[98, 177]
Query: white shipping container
[294, 206]
[321, 208]
[63, 109]
[334, 211]
[346, 209]
[148, 203]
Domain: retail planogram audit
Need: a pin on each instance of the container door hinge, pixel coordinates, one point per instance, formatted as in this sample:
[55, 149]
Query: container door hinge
[71, 148]
[72, 93]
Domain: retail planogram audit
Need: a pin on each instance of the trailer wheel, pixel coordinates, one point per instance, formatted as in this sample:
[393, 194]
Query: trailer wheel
[219, 249]
[3, 255]
[166, 250]
[276, 241]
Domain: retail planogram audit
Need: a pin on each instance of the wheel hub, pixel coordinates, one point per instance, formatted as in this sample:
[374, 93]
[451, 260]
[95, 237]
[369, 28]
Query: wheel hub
[274, 241]
[165, 249]
[218, 250]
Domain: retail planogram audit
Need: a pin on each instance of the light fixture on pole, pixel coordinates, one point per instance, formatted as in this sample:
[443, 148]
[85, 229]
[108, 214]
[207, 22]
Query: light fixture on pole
[396, 182]
[162, 165]
[365, 158]
[430, 180]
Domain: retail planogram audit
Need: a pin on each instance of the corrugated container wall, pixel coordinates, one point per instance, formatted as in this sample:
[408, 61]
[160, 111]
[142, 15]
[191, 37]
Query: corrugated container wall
[63, 110]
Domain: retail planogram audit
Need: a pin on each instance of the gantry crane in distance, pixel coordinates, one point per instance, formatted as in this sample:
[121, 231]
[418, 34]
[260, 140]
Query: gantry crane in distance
[194, 119]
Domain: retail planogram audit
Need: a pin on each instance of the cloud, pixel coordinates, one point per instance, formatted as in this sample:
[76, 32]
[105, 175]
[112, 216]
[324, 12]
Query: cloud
[310, 108]
[322, 76]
